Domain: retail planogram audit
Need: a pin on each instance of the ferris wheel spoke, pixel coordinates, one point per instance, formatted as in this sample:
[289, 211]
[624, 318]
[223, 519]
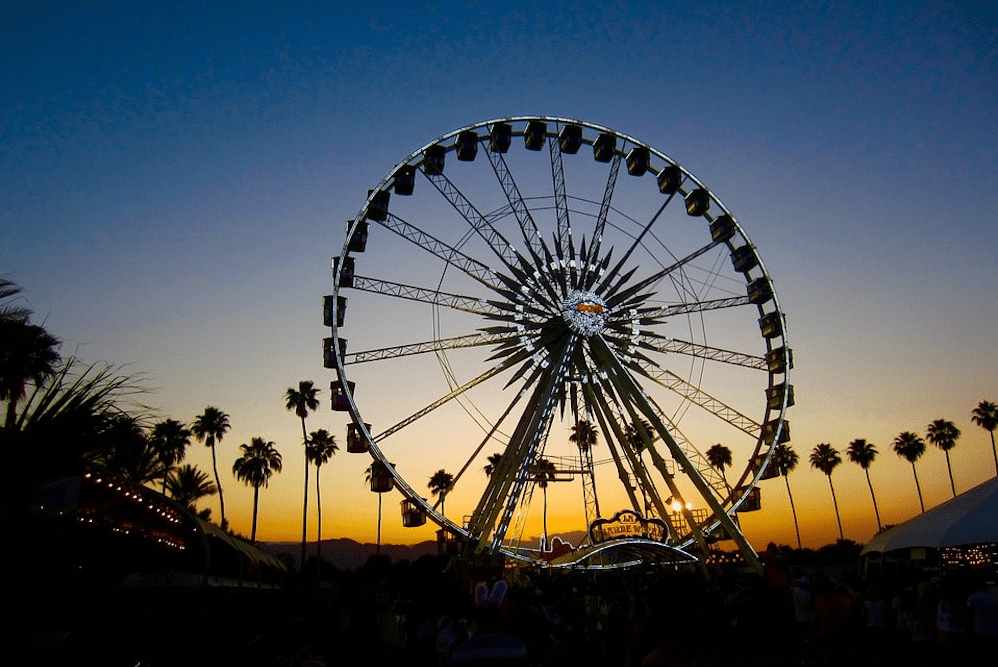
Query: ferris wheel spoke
[502, 248]
[642, 430]
[468, 304]
[490, 435]
[623, 299]
[498, 504]
[597, 239]
[650, 315]
[447, 253]
[619, 386]
[672, 345]
[698, 460]
[635, 244]
[528, 227]
[459, 391]
[615, 434]
[626, 385]
[410, 349]
[564, 241]
[697, 396]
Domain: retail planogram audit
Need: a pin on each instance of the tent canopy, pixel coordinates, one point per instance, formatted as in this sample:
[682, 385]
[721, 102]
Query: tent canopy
[970, 518]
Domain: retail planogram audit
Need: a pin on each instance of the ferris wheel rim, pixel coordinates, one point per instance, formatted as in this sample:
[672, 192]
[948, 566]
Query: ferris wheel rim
[749, 478]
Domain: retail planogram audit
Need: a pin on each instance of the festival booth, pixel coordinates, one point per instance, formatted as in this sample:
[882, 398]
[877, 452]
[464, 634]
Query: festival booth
[960, 535]
[111, 532]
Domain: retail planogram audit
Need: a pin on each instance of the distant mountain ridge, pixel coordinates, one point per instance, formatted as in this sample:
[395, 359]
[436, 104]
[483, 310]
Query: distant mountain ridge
[346, 554]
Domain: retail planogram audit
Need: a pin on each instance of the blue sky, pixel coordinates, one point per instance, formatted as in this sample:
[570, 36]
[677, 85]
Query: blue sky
[173, 182]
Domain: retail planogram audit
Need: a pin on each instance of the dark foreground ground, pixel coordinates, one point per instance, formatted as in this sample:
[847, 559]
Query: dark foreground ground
[395, 615]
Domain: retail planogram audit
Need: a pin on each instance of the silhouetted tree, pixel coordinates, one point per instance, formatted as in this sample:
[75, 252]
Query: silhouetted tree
[785, 461]
[493, 464]
[170, 439]
[187, 485]
[28, 352]
[209, 427]
[543, 472]
[634, 436]
[259, 461]
[719, 457]
[128, 452]
[72, 419]
[985, 415]
[862, 453]
[826, 458]
[910, 447]
[585, 437]
[321, 447]
[943, 434]
[301, 401]
[440, 485]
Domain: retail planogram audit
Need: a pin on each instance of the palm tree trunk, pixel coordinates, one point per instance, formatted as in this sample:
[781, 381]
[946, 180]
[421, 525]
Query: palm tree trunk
[304, 509]
[318, 538]
[876, 511]
[379, 524]
[835, 502]
[793, 510]
[950, 469]
[256, 504]
[918, 487]
[994, 451]
[544, 538]
[218, 483]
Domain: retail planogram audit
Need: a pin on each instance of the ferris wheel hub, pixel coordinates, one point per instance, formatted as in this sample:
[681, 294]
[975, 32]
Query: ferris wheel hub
[585, 312]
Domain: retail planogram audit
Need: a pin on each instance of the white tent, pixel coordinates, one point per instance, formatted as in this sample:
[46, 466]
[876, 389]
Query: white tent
[970, 518]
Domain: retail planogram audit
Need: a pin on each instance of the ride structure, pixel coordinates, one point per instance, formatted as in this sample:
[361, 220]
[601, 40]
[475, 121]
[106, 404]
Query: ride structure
[530, 320]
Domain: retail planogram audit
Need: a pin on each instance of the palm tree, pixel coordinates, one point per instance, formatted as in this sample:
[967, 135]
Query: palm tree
[910, 447]
[170, 439]
[719, 457]
[301, 401]
[634, 437]
[69, 421]
[28, 352]
[128, 452]
[826, 458]
[259, 461]
[188, 484]
[440, 485]
[543, 473]
[583, 435]
[321, 447]
[209, 427]
[943, 434]
[862, 453]
[493, 464]
[785, 461]
[985, 415]
[9, 289]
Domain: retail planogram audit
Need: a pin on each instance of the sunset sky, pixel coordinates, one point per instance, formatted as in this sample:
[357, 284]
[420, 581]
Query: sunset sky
[174, 180]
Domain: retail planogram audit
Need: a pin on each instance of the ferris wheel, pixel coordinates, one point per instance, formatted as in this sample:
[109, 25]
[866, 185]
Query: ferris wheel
[537, 309]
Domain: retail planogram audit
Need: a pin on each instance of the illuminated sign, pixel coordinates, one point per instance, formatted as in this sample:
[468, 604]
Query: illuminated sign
[627, 523]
